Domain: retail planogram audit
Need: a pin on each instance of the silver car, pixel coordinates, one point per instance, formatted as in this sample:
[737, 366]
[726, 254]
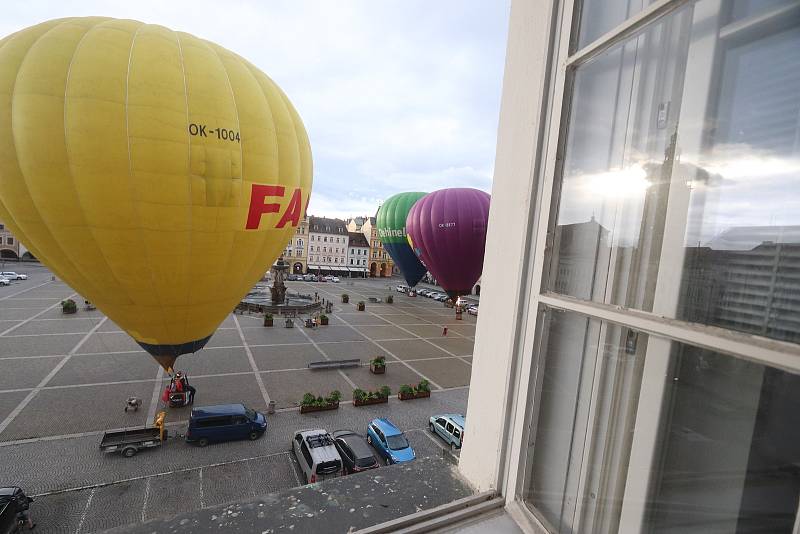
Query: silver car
[316, 453]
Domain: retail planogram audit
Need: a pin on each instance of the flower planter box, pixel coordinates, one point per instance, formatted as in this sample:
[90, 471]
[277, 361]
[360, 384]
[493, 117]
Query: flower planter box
[269, 322]
[345, 300]
[69, 310]
[309, 409]
[361, 307]
[323, 321]
[382, 400]
[377, 369]
[411, 396]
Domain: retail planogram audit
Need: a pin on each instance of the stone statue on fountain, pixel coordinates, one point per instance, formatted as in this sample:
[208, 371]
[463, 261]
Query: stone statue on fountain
[278, 288]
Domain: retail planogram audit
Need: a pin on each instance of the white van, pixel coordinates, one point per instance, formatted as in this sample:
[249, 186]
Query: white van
[316, 453]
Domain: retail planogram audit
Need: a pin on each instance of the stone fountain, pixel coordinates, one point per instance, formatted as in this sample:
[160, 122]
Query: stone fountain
[278, 300]
[278, 288]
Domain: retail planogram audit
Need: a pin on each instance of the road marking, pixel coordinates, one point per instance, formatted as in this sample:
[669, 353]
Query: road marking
[161, 474]
[428, 341]
[26, 290]
[21, 406]
[295, 466]
[325, 355]
[252, 361]
[390, 353]
[85, 510]
[445, 449]
[156, 397]
[144, 503]
[200, 472]
[376, 343]
[47, 334]
[29, 319]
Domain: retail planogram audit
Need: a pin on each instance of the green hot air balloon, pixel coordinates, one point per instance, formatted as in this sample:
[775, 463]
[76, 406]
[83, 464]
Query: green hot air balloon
[391, 222]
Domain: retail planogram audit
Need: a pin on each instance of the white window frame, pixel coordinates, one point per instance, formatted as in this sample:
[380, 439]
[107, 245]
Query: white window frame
[557, 70]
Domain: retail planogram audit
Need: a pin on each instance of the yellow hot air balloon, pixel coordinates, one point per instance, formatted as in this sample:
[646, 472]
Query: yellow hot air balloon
[156, 173]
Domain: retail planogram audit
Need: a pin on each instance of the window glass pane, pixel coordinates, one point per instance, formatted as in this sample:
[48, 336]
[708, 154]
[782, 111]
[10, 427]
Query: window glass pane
[743, 9]
[682, 156]
[730, 459]
[601, 16]
[588, 367]
[726, 455]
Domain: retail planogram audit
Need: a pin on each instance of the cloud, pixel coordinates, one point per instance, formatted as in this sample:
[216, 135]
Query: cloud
[394, 95]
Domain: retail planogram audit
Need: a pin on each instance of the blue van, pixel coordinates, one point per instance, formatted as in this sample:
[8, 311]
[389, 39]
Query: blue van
[225, 422]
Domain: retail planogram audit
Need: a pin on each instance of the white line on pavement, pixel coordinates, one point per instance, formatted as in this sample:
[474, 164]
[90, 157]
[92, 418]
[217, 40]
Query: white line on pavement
[85, 510]
[200, 473]
[252, 361]
[15, 412]
[12, 295]
[325, 355]
[29, 319]
[144, 502]
[161, 474]
[390, 353]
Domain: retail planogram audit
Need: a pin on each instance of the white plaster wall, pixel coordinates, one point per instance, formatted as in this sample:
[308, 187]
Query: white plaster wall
[490, 412]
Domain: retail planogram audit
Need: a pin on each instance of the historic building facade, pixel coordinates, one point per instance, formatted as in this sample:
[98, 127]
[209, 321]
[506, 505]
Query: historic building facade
[327, 246]
[380, 263]
[296, 249]
[357, 254]
[9, 246]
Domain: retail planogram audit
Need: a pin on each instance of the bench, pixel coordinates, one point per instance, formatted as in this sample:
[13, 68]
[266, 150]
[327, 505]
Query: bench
[335, 364]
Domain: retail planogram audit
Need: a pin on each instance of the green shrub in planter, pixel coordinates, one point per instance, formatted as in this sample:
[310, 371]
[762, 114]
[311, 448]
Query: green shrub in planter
[361, 305]
[390, 299]
[345, 298]
[68, 306]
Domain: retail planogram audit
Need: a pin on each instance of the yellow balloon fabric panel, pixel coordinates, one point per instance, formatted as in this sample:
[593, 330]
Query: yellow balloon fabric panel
[156, 173]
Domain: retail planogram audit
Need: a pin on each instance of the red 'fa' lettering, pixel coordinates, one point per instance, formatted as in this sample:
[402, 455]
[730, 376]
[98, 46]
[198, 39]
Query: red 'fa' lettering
[257, 205]
[292, 212]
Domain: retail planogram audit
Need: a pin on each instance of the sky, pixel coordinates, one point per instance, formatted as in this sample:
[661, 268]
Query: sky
[395, 95]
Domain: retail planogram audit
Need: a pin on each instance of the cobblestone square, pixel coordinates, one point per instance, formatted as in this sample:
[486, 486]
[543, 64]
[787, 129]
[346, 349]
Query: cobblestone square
[215, 360]
[414, 349]
[64, 380]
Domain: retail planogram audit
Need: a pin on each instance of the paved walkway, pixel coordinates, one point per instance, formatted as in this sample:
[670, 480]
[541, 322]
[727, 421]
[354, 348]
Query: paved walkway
[64, 380]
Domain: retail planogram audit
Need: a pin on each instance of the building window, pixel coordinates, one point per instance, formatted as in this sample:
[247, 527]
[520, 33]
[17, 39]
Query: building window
[674, 217]
[9, 240]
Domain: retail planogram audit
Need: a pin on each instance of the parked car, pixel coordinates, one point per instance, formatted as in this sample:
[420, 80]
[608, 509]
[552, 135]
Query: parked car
[293, 278]
[11, 275]
[441, 297]
[317, 455]
[401, 289]
[389, 441]
[472, 310]
[4, 281]
[13, 501]
[309, 278]
[224, 422]
[327, 278]
[356, 453]
[449, 427]
[335, 279]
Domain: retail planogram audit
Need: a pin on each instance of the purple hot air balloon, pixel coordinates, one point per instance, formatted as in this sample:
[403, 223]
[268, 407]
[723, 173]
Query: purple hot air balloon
[447, 230]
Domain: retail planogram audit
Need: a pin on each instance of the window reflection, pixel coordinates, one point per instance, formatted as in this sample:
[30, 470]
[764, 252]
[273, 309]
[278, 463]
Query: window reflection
[730, 459]
[683, 155]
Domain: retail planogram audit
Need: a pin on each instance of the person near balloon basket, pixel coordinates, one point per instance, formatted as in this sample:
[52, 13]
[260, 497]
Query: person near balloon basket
[179, 392]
